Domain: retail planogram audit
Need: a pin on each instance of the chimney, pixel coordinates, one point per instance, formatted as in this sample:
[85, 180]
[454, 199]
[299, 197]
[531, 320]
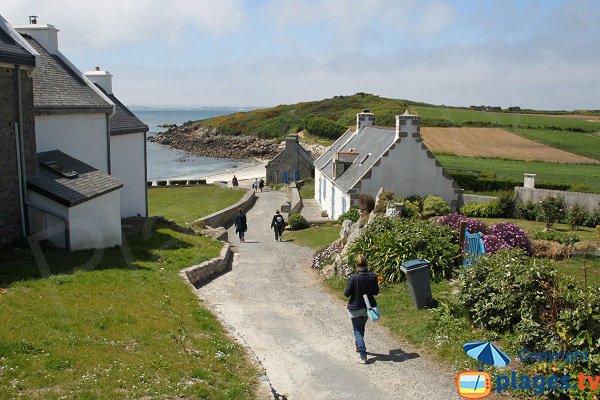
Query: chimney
[100, 78]
[364, 118]
[408, 125]
[529, 181]
[291, 141]
[44, 34]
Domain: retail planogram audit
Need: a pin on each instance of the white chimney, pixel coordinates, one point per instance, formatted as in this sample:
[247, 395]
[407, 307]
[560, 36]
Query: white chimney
[364, 118]
[408, 125]
[46, 35]
[529, 181]
[101, 78]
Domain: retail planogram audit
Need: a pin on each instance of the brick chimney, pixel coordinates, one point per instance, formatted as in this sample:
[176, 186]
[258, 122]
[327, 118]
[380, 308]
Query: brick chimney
[44, 34]
[408, 125]
[364, 118]
[100, 78]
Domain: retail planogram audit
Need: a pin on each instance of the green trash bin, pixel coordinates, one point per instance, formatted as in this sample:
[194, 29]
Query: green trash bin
[417, 277]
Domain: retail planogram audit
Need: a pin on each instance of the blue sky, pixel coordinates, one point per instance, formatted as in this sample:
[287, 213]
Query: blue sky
[540, 54]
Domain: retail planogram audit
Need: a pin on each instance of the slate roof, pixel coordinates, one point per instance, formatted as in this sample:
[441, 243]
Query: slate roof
[57, 89]
[90, 183]
[124, 121]
[370, 142]
[303, 153]
[13, 53]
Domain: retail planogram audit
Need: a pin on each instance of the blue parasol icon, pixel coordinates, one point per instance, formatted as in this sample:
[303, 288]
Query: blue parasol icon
[486, 353]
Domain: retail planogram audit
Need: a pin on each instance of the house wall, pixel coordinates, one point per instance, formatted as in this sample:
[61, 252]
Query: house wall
[128, 163]
[409, 169]
[288, 160]
[10, 206]
[329, 191]
[67, 133]
[48, 226]
[96, 224]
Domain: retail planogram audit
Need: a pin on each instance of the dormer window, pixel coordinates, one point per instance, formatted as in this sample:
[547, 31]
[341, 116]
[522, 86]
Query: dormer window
[60, 169]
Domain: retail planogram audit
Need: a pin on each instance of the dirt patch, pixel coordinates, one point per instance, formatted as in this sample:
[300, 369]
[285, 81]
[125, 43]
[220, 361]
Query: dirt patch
[497, 143]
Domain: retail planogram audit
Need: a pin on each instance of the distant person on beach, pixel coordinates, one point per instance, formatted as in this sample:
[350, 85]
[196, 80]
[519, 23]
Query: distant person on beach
[240, 225]
[278, 223]
[360, 283]
[261, 184]
[234, 182]
[255, 185]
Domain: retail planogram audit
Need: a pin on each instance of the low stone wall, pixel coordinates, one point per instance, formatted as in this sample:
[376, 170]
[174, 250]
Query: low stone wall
[296, 204]
[200, 273]
[226, 216]
[475, 199]
[588, 200]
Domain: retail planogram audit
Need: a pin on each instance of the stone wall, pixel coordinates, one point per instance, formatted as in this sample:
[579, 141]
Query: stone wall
[201, 273]
[10, 209]
[289, 159]
[588, 200]
[226, 216]
[296, 204]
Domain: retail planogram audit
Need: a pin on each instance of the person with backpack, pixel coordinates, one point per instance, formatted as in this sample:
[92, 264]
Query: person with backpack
[240, 225]
[278, 223]
[360, 283]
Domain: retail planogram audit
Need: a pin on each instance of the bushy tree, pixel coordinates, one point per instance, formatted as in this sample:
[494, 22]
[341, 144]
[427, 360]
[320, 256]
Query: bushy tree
[323, 127]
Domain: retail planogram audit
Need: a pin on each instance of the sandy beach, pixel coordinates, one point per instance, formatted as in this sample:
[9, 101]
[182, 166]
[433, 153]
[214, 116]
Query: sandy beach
[246, 173]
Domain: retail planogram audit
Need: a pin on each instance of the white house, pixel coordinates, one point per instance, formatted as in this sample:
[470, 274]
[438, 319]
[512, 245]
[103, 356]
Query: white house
[368, 157]
[127, 150]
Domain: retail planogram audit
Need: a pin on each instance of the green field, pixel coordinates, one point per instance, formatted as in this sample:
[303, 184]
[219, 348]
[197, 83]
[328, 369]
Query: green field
[317, 237]
[185, 204]
[585, 144]
[586, 174]
[121, 324]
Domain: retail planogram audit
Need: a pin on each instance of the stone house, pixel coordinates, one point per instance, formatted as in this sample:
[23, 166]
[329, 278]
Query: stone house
[291, 164]
[18, 60]
[367, 158]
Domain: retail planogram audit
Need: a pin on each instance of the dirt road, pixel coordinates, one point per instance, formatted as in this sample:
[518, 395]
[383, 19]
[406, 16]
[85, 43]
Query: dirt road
[302, 334]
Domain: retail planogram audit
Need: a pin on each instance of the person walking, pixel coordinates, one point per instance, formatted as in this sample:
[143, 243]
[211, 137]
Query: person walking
[278, 223]
[255, 185]
[261, 184]
[361, 282]
[240, 225]
[234, 182]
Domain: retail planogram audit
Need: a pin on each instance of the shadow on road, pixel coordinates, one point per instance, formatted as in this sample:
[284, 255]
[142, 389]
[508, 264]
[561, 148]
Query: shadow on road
[397, 355]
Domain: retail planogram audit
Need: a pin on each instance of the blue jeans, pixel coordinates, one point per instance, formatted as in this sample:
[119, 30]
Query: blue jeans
[358, 326]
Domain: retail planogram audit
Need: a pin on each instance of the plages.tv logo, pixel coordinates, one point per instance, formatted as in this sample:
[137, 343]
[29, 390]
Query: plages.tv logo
[478, 384]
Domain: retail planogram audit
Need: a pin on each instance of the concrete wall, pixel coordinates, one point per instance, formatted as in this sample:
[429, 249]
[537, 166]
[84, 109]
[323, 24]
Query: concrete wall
[288, 160]
[296, 203]
[10, 206]
[49, 226]
[68, 133]
[226, 216]
[129, 165]
[588, 200]
[200, 273]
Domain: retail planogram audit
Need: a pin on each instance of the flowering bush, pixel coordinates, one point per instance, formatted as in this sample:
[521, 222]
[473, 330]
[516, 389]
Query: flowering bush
[552, 209]
[492, 244]
[453, 220]
[322, 258]
[512, 236]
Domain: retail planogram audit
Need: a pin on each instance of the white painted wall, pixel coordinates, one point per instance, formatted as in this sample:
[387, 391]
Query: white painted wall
[82, 136]
[51, 227]
[128, 164]
[96, 224]
[329, 190]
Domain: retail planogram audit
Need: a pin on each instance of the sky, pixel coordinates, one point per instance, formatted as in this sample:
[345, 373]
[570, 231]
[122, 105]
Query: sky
[186, 53]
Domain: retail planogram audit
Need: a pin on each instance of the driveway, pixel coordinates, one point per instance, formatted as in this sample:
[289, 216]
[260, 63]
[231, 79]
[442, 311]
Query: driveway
[301, 334]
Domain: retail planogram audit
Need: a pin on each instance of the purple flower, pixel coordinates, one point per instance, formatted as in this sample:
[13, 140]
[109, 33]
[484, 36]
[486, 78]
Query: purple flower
[509, 235]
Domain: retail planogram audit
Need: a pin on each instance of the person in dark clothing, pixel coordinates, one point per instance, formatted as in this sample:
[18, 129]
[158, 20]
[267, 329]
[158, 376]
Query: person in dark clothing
[240, 225]
[360, 283]
[261, 184]
[234, 182]
[278, 224]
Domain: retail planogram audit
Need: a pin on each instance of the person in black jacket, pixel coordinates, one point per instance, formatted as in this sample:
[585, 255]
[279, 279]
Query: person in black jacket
[240, 225]
[278, 224]
[360, 283]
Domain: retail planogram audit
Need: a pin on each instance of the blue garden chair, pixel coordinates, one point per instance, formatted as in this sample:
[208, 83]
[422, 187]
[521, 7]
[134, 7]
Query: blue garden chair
[473, 248]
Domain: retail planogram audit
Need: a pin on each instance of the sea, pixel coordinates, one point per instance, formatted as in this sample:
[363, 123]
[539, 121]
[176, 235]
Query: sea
[165, 162]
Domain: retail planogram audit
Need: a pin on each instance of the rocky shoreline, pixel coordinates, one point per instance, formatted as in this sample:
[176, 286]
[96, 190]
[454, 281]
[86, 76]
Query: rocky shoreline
[208, 143]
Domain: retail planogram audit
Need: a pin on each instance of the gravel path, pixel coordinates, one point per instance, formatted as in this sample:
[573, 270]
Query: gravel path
[301, 334]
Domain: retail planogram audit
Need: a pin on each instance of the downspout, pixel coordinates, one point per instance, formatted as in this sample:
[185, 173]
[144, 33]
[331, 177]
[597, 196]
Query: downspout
[146, 173]
[108, 140]
[21, 167]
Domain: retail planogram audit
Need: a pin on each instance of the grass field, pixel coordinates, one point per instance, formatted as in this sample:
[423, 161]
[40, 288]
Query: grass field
[584, 144]
[122, 325]
[568, 174]
[185, 204]
[317, 237]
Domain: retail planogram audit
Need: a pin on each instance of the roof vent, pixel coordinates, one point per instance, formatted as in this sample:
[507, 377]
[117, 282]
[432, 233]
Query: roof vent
[60, 170]
[33, 19]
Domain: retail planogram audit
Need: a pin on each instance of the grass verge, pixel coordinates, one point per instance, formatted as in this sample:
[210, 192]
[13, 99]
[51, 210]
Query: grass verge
[185, 204]
[317, 237]
[120, 324]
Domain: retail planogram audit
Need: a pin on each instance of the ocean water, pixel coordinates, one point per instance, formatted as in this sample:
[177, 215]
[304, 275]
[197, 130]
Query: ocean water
[165, 162]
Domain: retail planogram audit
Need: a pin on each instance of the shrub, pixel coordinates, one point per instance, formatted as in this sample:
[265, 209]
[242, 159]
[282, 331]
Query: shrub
[482, 210]
[550, 249]
[391, 241]
[324, 127]
[434, 205]
[507, 202]
[410, 210]
[324, 257]
[453, 221]
[529, 211]
[297, 222]
[580, 187]
[576, 216]
[512, 235]
[552, 209]
[352, 214]
[383, 199]
[367, 203]
[492, 244]
[593, 218]
[557, 236]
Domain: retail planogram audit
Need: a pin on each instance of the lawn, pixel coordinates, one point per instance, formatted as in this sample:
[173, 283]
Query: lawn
[121, 324]
[581, 143]
[317, 237]
[307, 190]
[569, 174]
[185, 204]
